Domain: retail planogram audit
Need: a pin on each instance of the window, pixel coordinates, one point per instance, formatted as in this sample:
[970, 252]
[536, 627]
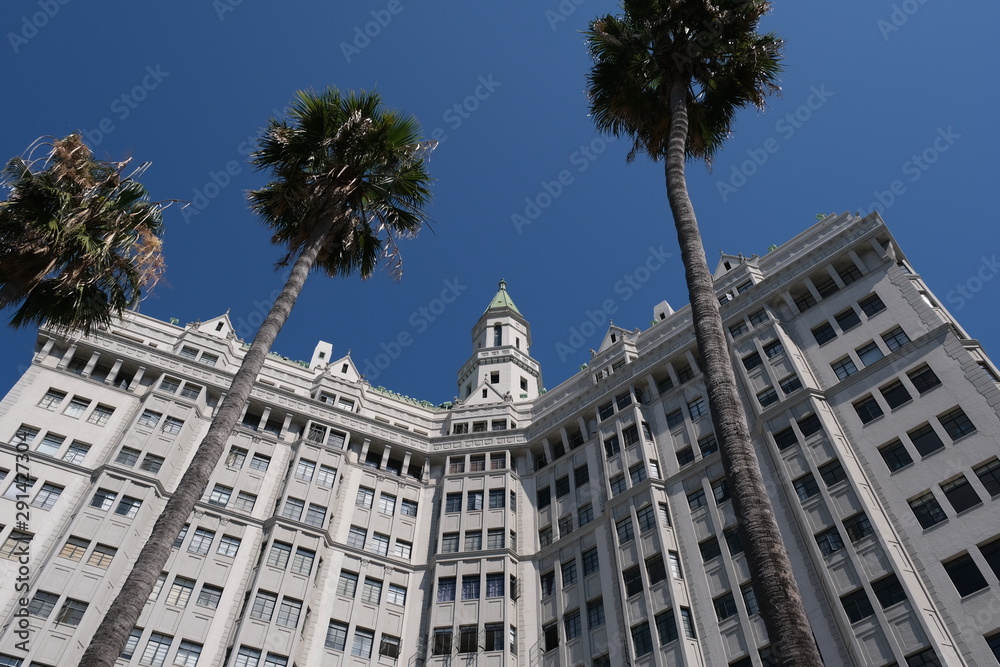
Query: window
[858, 526]
[925, 439]
[156, 650]
[42, 604]
[470, 587]
[151, 463]
[569, 573]
[74, 548]
[279, 554]
[220, 495]
[618, 484]
[190, 390]
[188, 654]
[259, 462]
[76, 452]
[453, 503]
[201, 542]
[960, 494]
[128, 507]
[149, 418]
[674, 418]
[844, 368]
[637, 473]
[336, 636]
[895, 339]
[316, 516]
[209, 596]
[829, 541]
[228, 546]
[785, 438]
[895, 455]
[655, 569]
[170, 384]
[50, 444]
[303, 561]
[923, 379]
[824, 333]
[292, 509]
[956, 423]
[494, 585]
[752, 361]
[131, 644]
[633, 581]
[442, 641]
[725, 606]
[477, 463]
[733, 541]
[347, 584]
[389, 646]
[387, 504]
[642, 639]
[498, 461]
[127, 456]
[326, 477]
[545, 536]
[758, 317]
[666, 626]
[304, 470]
[245, 501]
[647, 518]
[773, 349]
[263, 605]
[379, 544]
[612, 446]
[709, 549]
[371, 592]
[925, 658]
[674, 561]
[626, 533]
[888, 591]
[989, 475]
[720, 489]
[572, 624]
[927, 510]
[495, 538]
[52, 399]
[101, 556]
[848, 319]
[550, 636]
[868, 409]
[857, 605]
[365, 497]
[474, 540]
[871, 304]
[685, 456]
[475, 501]
[806, 486]
[595, 613]
[208, 359]
[446, 589]
[832, 472]
[363, 641]
[708, 445]
[697, 408]
[47, 496]
[396, 594]
[180, 592]
[71, 612]
[696, 499]
[403, 549]
[498, 498]
[869, 354]
[236, 458]
[591, 561]
[895, 394]
[767, 397]
[750, 600]
[449, 543]
[548, 583]
[179, 540]
[738, 329]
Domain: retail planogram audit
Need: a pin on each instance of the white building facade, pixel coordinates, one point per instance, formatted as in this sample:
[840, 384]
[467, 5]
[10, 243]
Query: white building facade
[586, 525]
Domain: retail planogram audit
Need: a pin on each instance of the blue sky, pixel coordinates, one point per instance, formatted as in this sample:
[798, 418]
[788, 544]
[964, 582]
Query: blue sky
[887, 104]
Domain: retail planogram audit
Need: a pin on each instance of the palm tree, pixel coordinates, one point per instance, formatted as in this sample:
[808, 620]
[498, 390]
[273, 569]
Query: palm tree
[670, 75]
[349, 176]
[79, 239]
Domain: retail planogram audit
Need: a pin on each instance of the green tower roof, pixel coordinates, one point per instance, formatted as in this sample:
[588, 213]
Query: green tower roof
[502, 300]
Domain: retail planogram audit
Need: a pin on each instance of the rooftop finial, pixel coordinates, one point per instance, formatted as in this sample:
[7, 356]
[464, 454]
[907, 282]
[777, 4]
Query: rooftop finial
[503, 284]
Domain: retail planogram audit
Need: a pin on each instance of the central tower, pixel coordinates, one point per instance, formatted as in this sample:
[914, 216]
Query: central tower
[500, 367]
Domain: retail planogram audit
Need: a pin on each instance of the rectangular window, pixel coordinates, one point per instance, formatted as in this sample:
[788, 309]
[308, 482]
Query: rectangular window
[149, 418]
[647, 518]
[336, 636]
[633, 580]
[785, 438]
[758, 317]
[155, 653]
[925, 439]
[127, 456]
[844, 368]
[363, 642]
[453, 503]
[674, 560]
[220, 495]
[989, 475]
[637, 473]
[752, 361]
[371, 592]
[76, 452]
[402, 549]
[767, 397]
[858, 526]
[449, 543]
[927, 510]
[545, 536]
[245, 501]
[773, 349]
[396, 594]
[868, 409]
[572, 624]
[47, 496]
[52, 398]
[279, 555]
[188, 654]
[829, 541]
[733, 541]
[824, 333]
[569, 573]
[477, 463]
[720, 489]
[209, 596]
[895, 455]
[71, 612]
[674, 418]
[857, 605]
[259, 462]
[710, 549]
[666, 626]
[725, 606]
[738, 329]
[356, 537]
[475, 501]
[495, 538]
[895, 394]
[495, 585]
[42, 604]
[50, 444]
[618, 484]
[956, 423]
[642, 639]
[387, 504]
[304, 470]
[128, 507]
[869, 354]
[470, 587]
[101, 556]
[612, 446]
[498, 498]
[696, 499]
[960, 494]
[228, 546]
[326, 477]
[847, 319]
[626, 533]
[697, 408]
[591, 561]
[303, 561]
[151, 463]
[347, 584]
[871, 304]
[832, 472]
[74, 548]
[473, 540]
[180, 592]
[888, 591]
[379, 544]
[895, 339]
[365, 497]
[806, 486]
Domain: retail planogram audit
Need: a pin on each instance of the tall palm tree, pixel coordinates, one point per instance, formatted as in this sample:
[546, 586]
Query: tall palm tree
[79, 238]
[670, 75]
[349, 177]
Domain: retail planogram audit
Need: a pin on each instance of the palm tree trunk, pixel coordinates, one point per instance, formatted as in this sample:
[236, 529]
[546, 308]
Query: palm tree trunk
[124, 612]
[770, 569]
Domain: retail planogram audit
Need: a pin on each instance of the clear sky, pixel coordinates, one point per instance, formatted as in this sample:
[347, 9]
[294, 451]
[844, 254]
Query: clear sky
[878, 96]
